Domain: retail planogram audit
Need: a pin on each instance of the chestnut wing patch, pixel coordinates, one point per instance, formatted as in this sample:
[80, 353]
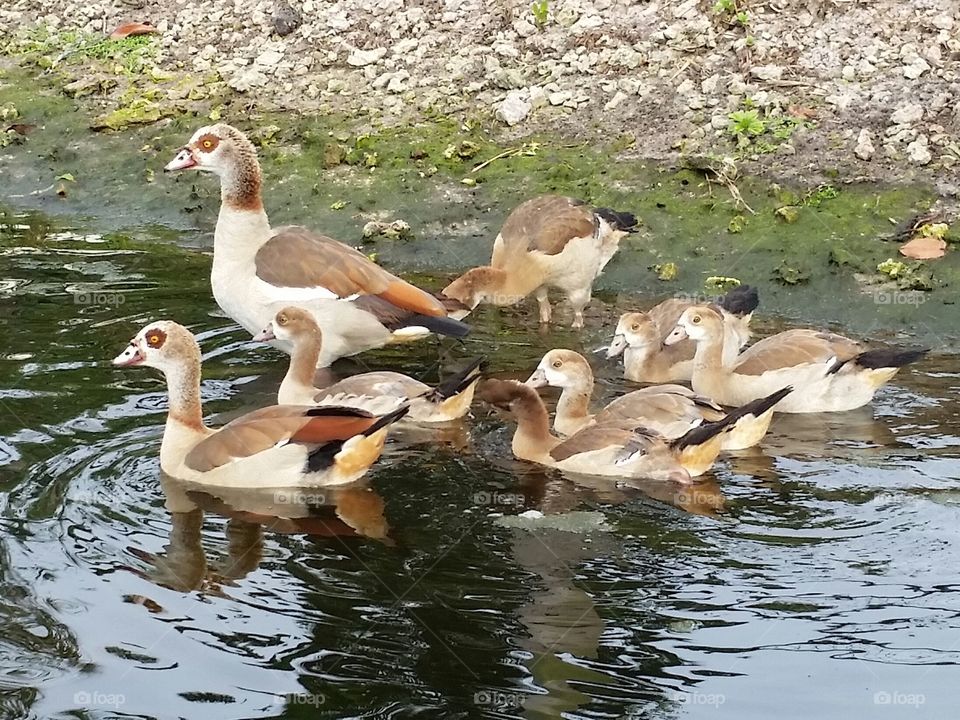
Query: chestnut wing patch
[297, 258]
[546, 224]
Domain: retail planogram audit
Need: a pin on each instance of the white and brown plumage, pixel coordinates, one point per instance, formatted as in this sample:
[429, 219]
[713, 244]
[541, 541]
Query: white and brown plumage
[547, 242]
[257, 269]
[295, 326]
[275, 446]
[670, 410]
[640, 336]
[829, 372]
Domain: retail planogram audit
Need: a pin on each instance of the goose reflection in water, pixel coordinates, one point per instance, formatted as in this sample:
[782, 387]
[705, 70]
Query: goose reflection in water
[350, 511]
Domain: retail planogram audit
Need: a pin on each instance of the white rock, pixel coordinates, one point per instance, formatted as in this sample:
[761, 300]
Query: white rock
[404, 47]
[615, 100]
[559, 98]
[362, 58]
[918, 152]
[767, 72]
[848, 73]
[915, 69]
[398, 83]
[269, 57]
[907, 114]
[686, 87]
[523, 28]
[864, 148]
[247, 79]
[513, 109]
[709, 86]
[538, 97]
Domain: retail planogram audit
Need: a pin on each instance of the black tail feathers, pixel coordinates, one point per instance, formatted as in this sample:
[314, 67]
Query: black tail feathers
[741, 300]
[889, 358]
[702, 433]
[459, 382]
[618, 220]
[439, 325]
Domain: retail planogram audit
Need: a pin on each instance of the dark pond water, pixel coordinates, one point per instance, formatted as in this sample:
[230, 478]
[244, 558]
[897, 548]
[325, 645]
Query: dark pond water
[816, 577]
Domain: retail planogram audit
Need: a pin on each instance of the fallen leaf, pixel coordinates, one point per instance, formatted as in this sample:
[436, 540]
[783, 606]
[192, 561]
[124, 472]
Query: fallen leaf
[924, 247]
[801, 112]
[132, 28]
[22, 128]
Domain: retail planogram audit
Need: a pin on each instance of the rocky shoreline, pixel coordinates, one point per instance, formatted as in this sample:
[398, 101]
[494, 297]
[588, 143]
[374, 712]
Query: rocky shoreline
[866, 90]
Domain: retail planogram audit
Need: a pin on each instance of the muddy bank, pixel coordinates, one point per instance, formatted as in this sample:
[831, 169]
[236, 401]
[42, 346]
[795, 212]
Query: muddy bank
[820, 253]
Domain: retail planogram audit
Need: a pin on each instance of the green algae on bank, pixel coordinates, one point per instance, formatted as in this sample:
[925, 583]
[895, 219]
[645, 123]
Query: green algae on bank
[324, 173]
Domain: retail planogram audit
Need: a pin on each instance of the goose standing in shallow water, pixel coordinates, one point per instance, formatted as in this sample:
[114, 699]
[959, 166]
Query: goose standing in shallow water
[830, 373]
[258, 270]
[276, 446]
[547, 242]
[671, 410]
[640, 336]
[448, 401]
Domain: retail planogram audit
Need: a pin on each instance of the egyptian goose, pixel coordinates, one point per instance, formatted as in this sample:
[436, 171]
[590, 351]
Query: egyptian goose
[277, 446]
[671, 410]
[258, 270]
[293, 325]
[547, 242]
[830, 372]
[639, 337]
[611, 450]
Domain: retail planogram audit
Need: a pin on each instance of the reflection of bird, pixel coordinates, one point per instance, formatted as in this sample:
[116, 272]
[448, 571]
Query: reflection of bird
[280, 445]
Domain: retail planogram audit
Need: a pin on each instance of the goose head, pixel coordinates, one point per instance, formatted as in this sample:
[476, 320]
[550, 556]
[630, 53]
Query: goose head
[219, 149]
[697, 323]
[163, 344]
[477, 285]
[634, 330]
[292, 325]
[562, 369]
[513, 397]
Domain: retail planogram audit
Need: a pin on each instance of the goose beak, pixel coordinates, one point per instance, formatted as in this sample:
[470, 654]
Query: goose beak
[676, 335]
[617, 346]
[129, 357]
[182, 161]
[538, 379]
[265, 335]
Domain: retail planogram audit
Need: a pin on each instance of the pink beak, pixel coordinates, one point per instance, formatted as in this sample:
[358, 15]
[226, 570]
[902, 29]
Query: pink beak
[265, 335]
[182, 161]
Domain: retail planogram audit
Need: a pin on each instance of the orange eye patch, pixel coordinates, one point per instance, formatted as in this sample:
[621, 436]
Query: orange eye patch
[208, 143]
[156, 338]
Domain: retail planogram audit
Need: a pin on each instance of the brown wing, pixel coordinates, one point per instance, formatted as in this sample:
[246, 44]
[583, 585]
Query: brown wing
[653, 407]
[297, 258]
[547, 224]
[262, 429]
[795, 347]
[598, 437]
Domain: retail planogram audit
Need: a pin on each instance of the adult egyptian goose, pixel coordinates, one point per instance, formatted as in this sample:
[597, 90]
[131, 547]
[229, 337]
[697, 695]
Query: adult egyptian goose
[293, 325]
[277, 446]
[547, 242]
[671, 410]
[610, 449]
[829, 372]
[639, 337]
[257, 269]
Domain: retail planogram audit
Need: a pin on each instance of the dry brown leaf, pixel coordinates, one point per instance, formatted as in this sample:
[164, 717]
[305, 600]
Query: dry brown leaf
[924, 248]
[132, 28]
[801, 112]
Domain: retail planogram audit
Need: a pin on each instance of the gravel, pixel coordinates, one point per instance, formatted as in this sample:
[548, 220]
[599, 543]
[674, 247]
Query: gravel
[667, 72]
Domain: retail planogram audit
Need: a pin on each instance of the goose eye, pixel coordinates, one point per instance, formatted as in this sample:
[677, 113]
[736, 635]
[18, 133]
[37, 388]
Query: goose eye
[635, 327]
[557, 363]
[207, 144]
[695, 319]
[281, 319]
[155, 338]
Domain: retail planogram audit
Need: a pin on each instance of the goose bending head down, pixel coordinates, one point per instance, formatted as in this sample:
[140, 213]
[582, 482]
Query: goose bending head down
[278, 446]
[257, 270]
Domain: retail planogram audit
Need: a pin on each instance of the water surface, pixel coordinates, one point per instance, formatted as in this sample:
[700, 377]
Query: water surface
[814, 577]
